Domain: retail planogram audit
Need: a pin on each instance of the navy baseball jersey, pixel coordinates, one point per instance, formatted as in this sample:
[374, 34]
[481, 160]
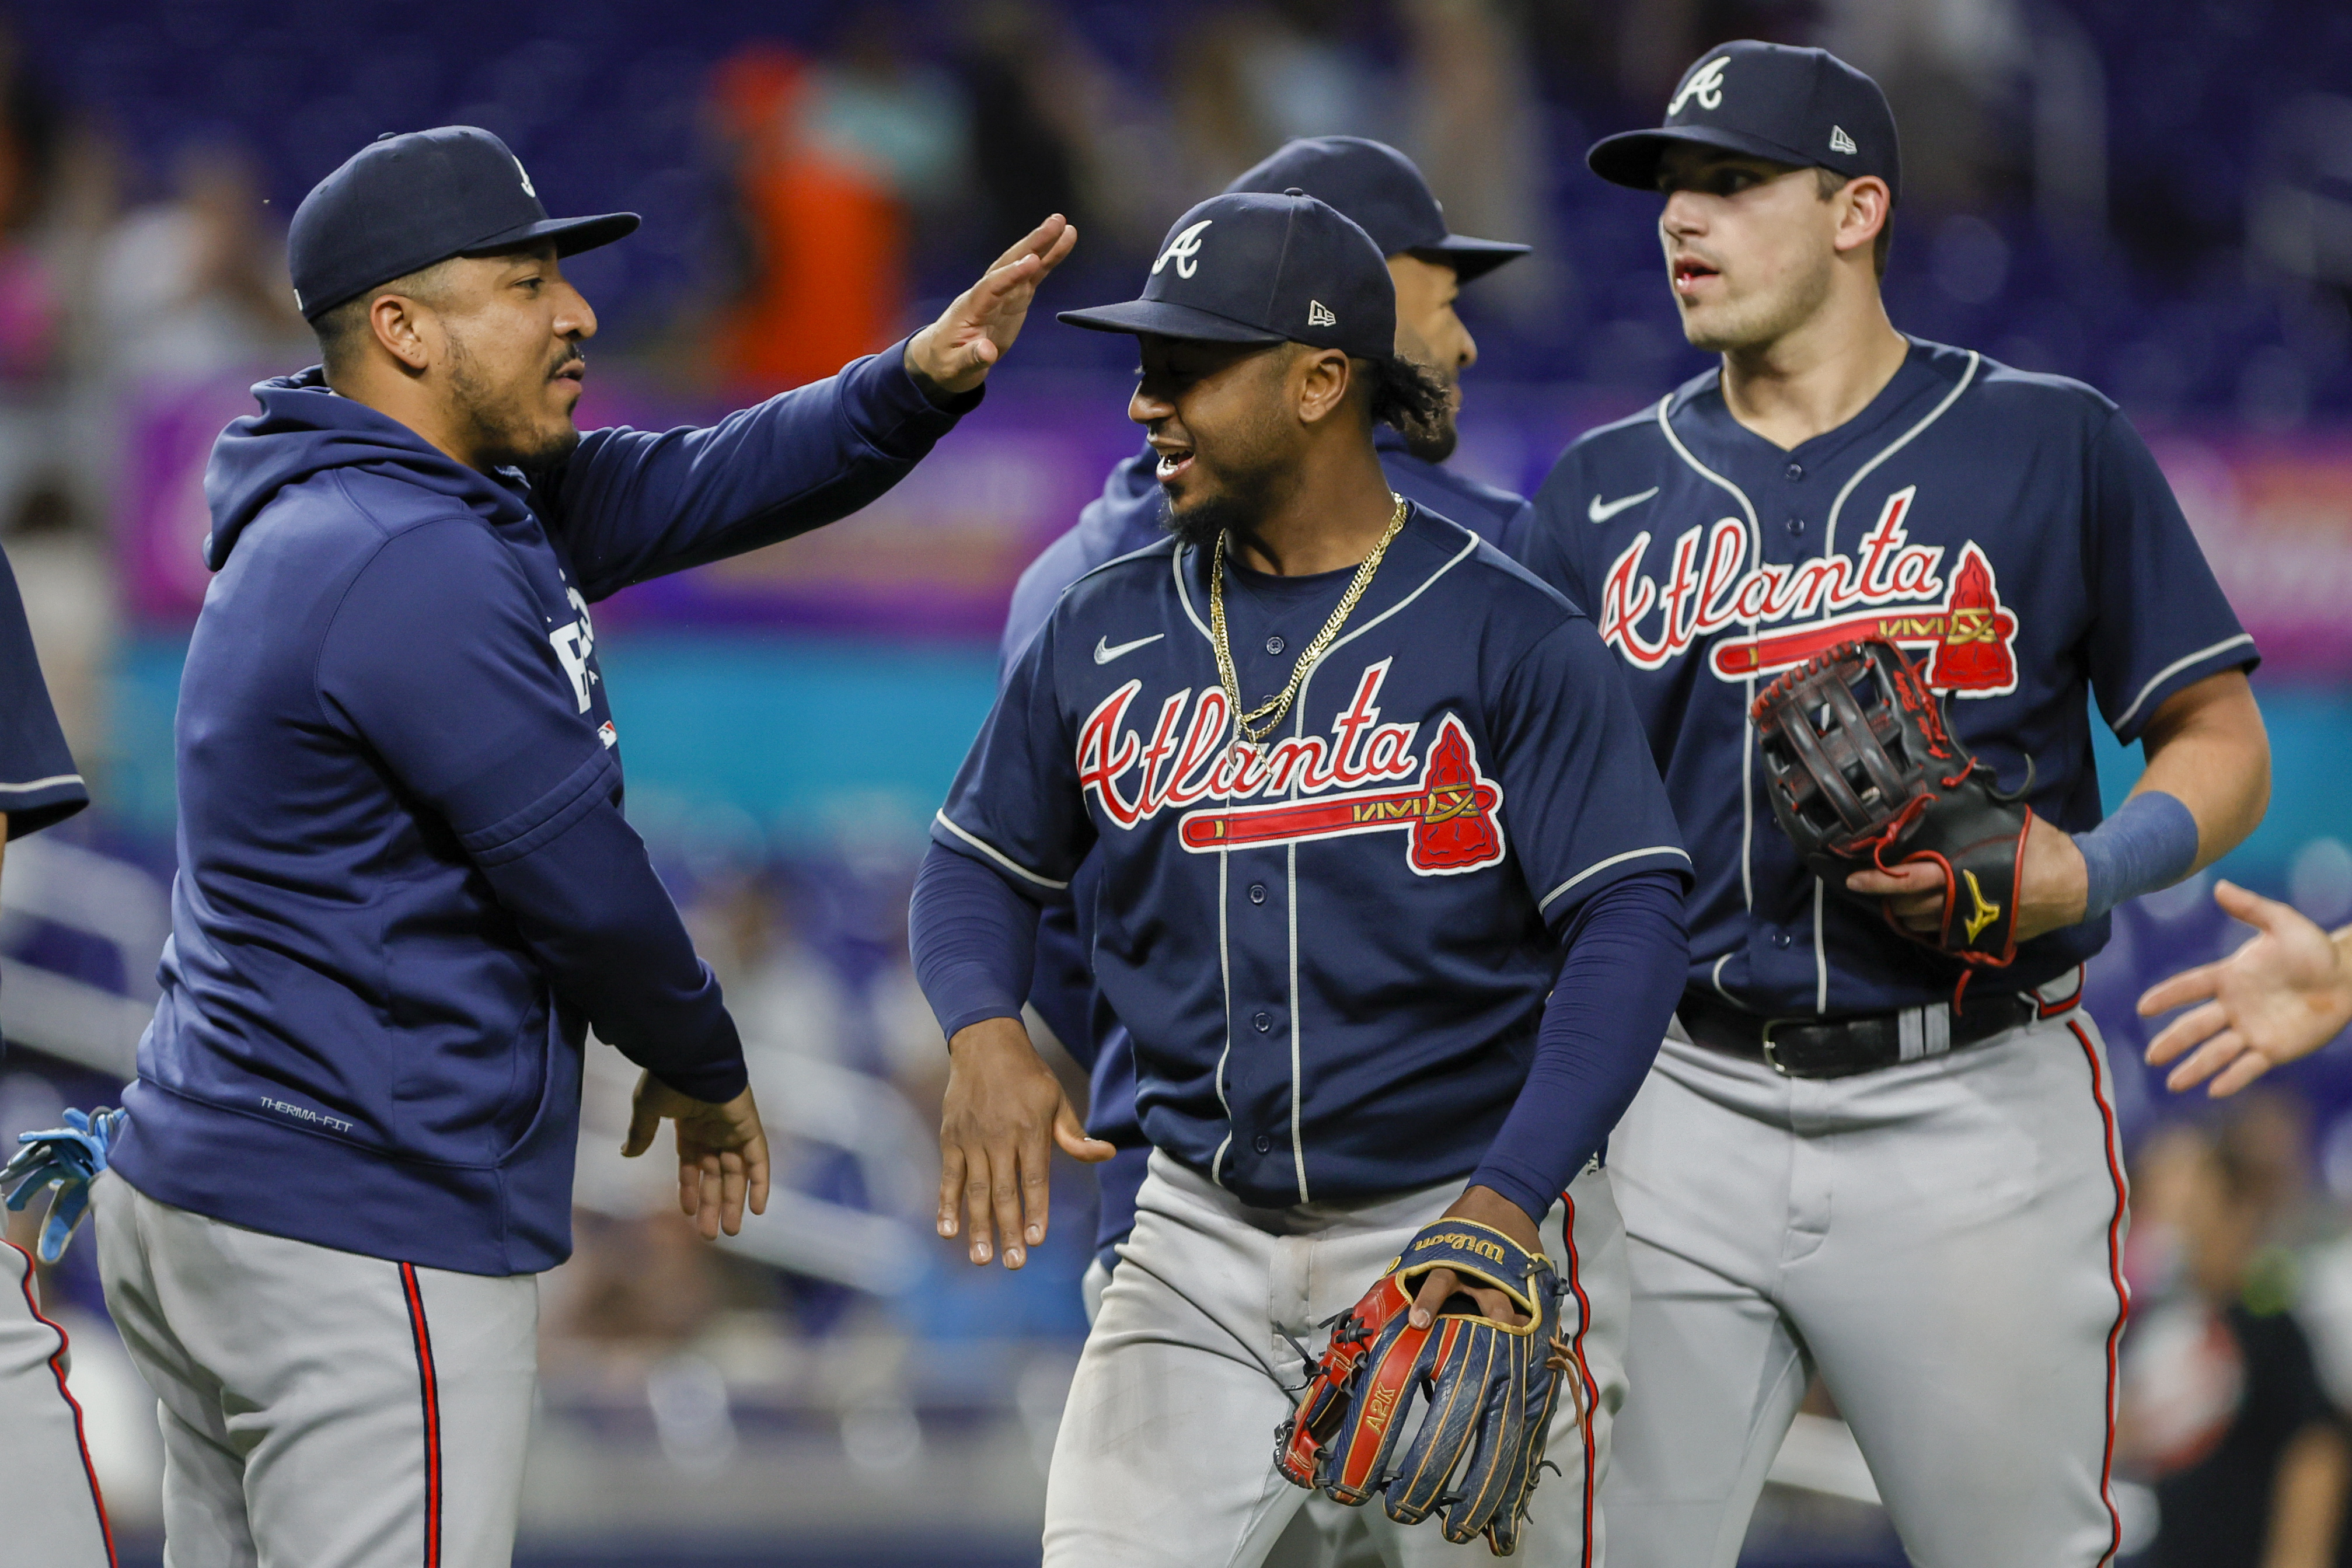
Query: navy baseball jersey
[2010, 530]
[1332, 949]
[39, 783]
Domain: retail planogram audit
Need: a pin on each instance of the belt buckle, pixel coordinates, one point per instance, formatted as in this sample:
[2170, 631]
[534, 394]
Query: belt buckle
[1772, 1060]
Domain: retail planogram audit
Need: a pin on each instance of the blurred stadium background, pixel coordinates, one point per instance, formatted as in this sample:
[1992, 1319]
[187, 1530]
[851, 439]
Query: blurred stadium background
[2154, 195]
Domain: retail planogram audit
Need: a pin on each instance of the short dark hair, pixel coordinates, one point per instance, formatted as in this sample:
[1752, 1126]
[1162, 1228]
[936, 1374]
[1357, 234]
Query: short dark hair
[342, 330]
[1829, 183]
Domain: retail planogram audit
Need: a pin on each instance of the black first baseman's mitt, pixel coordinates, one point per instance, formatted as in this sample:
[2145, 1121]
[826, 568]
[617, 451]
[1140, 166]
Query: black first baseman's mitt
[1862, 770]
[1487, 1392]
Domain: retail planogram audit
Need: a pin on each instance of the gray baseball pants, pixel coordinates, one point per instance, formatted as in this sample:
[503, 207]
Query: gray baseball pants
[320, 1409]
[50, 1511]
[1940, 1240]
[1165, 1458]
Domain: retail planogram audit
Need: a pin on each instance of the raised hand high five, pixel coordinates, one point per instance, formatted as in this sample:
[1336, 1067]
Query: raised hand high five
[953, 355]
[2281, 996]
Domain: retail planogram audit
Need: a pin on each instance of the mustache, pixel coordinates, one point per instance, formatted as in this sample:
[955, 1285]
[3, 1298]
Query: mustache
[571, 356]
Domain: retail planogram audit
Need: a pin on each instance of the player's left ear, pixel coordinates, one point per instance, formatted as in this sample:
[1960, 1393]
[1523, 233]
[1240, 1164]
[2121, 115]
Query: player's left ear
[1320, 378]
[1863, 205]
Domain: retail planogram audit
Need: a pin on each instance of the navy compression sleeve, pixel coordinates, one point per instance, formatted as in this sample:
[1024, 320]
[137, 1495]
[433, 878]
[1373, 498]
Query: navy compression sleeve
[973, 938]
[1626, 955]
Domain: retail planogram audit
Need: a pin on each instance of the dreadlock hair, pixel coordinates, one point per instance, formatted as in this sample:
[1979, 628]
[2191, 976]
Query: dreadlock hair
[1405, 394]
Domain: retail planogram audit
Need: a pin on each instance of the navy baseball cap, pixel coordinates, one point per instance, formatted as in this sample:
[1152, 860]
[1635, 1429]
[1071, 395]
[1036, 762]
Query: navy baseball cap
[1384, 193]
[1248, 267]
[1796, 106]
[404, 202]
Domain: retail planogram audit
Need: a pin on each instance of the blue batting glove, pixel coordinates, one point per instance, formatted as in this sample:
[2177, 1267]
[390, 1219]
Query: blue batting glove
[67, 1158]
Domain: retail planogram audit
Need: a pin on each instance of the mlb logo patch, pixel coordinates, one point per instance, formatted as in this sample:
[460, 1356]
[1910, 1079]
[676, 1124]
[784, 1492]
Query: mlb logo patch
[608, 735]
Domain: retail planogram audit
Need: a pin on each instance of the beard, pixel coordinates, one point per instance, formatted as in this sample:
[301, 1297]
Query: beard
[1239, 507]
[503, 428]
[1754, 323]
[1434, 442]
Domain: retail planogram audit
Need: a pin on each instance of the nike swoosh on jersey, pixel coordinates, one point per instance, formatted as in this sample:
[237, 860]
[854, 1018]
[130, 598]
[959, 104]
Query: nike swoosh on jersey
[1600, 511]
[1104, 654]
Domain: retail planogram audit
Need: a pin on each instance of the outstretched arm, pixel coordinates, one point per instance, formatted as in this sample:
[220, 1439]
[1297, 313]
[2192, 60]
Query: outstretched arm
[2279, 998]
[630, 505]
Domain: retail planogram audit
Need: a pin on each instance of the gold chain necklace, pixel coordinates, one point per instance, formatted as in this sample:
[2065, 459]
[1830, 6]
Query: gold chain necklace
[1273, 709]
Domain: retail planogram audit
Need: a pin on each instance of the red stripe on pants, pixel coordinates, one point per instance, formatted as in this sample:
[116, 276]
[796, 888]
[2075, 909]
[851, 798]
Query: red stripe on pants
[2123, 1291]
[58, 1371]
[1581, 1373]
[430, 1384]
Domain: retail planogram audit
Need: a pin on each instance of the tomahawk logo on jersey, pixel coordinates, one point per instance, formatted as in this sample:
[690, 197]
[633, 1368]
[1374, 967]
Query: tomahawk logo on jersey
[1332, 946]
[2018, 581]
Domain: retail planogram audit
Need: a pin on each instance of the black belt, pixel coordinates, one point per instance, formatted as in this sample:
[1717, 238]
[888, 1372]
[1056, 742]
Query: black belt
[1838, 1048]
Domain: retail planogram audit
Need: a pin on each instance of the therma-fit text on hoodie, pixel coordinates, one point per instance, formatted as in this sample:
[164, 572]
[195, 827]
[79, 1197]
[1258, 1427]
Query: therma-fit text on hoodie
[405, 887]
[2011, 529]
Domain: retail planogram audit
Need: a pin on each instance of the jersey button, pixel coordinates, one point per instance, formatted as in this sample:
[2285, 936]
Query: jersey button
[1265, 1021]
[1262, 1144]
[1274, 644]
[1257, 893]
[1795, 471]
[1797, 527]
[1782, 940]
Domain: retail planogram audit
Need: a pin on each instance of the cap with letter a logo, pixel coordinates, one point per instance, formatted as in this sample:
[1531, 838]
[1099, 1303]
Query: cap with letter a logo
[1804, 107]
[404, 202]
[1251, 267]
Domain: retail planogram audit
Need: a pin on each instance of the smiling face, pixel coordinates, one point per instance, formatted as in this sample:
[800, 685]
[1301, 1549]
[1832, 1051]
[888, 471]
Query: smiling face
[1751, 246]
[512, 370]
[1215, 414]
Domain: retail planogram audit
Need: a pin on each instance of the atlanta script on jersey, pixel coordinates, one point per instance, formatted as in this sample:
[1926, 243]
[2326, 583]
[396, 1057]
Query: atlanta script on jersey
[1332, 949]
[2009, 530]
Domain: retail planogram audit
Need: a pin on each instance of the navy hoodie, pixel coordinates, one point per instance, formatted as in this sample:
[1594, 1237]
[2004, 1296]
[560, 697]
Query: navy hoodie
[405, 887]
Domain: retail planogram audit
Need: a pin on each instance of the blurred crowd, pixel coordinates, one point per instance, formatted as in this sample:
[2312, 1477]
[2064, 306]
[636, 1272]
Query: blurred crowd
[2154, 196]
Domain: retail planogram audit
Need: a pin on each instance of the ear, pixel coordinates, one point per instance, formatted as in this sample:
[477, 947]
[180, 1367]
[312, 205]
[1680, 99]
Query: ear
[404, 328]
[1862, 205]
[1320, 379]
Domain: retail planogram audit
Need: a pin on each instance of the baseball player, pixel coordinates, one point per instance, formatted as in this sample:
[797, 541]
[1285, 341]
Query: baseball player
[1356, 784]
[1845, 1159]
[2276, 1000]
[405, 887]
[1378, 188]
[48, 1493]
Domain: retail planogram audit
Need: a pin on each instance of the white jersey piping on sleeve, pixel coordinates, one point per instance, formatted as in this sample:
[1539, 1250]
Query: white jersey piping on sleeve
[2173, 669]
[51, 783]
[1600, 865]
[993, 853]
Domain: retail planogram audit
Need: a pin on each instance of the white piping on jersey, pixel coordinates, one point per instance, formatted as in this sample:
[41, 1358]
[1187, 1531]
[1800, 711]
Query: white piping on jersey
[1829, 540]
[1225, 979]
[993, 853]
[1715, 976]
[1598, 866]
[1184, 595]
[51, 783]
[1820, 955]
[1829, 551]
[1297, 1139]
[1298, 731]
[1746, 753]
[2173, 669]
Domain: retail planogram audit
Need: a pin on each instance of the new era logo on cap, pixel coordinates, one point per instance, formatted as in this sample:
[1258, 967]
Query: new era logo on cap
[1319, 314]
[1839, 141]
